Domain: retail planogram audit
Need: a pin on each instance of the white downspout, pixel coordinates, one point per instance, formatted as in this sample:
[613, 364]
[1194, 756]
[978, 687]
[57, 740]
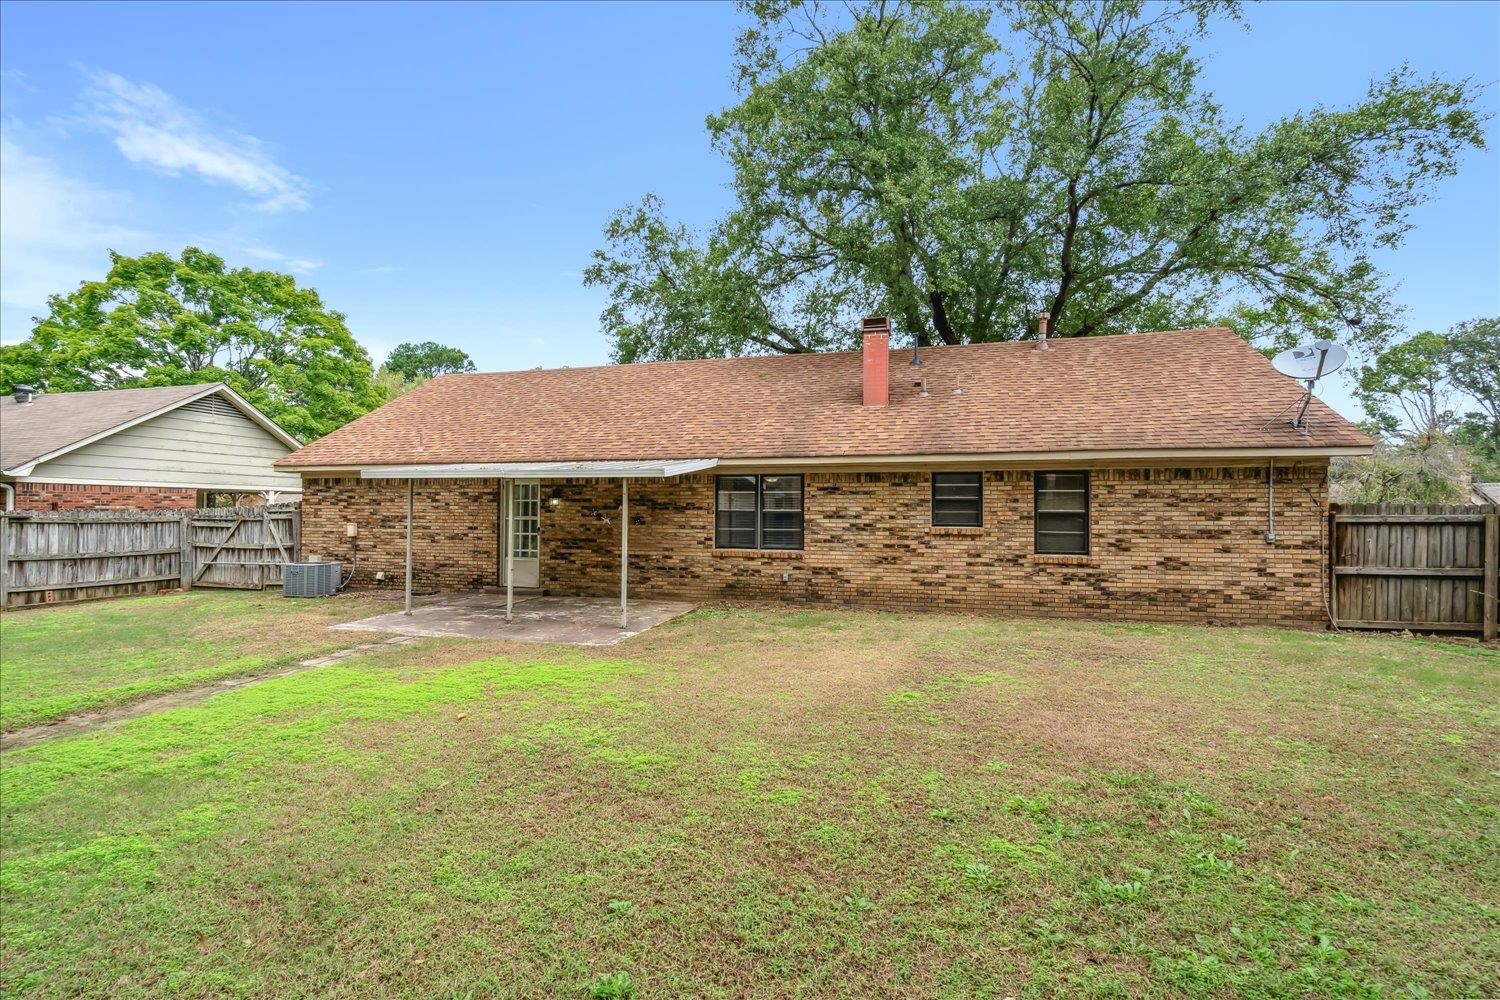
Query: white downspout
[10, 495]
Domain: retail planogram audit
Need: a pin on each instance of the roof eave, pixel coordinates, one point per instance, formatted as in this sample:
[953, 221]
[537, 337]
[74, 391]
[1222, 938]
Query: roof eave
[213, 388]
[386, 470]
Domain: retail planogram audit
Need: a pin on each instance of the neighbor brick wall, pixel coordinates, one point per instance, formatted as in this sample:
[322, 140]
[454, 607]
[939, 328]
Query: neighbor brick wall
[1168, 544]
[83, 496]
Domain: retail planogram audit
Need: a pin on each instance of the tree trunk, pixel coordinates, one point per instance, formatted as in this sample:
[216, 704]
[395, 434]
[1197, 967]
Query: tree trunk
[940, 319]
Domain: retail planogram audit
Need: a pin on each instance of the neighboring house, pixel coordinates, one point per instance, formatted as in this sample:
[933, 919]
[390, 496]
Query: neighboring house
[159, 448]
[1484, 493]
[1150, 476]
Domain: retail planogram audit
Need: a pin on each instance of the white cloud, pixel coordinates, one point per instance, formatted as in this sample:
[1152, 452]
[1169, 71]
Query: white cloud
[382, 269]
[297, 265]
[152, 129]
[54, 229]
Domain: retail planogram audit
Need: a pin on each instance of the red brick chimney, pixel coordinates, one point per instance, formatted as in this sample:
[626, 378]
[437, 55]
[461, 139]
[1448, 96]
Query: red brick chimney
[877, 360]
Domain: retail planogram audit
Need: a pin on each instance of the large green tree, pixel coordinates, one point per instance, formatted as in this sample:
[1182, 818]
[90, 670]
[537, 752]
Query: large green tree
[961, 167]
[1473, 366]
[1420, 395]
[163, 320]
[1407, 390]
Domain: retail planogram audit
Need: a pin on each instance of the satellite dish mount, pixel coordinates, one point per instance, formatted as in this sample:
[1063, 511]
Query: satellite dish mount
[1307, 365]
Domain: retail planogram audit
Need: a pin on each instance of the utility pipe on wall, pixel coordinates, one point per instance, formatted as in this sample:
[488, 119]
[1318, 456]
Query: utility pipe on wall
[1271, 502]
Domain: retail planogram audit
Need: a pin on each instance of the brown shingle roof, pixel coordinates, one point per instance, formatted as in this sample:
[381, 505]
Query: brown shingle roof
[55, 420]
[1175, 390]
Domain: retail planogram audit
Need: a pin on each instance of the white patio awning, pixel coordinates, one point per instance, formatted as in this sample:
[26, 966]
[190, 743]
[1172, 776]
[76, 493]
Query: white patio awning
[544, 470]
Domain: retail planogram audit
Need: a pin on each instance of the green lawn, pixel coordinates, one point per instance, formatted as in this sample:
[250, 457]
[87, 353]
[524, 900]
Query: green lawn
[775, 804]
[56, 662]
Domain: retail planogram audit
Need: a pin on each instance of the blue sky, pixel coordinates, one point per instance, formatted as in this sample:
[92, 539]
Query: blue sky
[443, 172]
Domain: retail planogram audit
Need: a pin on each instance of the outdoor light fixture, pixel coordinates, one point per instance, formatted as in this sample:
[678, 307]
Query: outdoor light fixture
[556, 497]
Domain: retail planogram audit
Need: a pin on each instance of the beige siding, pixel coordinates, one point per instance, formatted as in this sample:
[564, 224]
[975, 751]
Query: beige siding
[189, 446]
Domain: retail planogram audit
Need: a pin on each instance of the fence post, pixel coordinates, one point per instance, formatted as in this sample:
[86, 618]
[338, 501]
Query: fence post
[1333, 562]
[1491, 596]
[265, 536]
[185, 549]
[4, 563]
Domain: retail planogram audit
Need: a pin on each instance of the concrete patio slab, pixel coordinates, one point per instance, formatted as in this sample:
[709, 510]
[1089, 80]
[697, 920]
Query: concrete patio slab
[577, 621]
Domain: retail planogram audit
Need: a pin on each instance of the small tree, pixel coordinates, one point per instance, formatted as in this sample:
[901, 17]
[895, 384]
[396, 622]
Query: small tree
[1403, 474]
[418, 362]
[1414, 392]
[392, 384]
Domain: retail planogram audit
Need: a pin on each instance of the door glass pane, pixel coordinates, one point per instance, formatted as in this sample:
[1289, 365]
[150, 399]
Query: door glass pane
[526, 500]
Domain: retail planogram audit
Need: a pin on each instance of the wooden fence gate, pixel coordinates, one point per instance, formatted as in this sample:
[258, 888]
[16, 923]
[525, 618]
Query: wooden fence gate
[1414, 566]
[60, 556]
[243, 547]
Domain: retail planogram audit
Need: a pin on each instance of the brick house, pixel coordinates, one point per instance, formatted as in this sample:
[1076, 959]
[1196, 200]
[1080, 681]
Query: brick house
[1152, 476]
[158, 448]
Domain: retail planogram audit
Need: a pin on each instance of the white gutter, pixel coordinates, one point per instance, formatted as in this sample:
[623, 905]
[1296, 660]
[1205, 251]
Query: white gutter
[960, 459]
[544, 470]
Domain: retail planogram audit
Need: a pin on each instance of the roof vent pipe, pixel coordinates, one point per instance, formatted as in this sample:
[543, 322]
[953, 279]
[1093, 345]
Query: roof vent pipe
[877, 360]
[23, 394]
[1043, 321]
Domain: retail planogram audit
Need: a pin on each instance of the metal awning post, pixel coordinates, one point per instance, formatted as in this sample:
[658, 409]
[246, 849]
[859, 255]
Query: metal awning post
[409, 491]
[624, 548]
[510, 546]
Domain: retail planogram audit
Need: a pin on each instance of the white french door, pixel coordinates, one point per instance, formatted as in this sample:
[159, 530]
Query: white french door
[525, 535]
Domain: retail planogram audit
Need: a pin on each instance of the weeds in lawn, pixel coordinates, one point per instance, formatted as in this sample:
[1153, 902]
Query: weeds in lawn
[1128, 891]
[736, 799]
[614, 986]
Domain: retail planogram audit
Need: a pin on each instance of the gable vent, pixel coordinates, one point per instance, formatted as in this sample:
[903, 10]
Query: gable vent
[216, 406]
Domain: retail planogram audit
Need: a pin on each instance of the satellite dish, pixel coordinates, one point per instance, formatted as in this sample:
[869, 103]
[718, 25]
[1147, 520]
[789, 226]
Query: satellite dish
[1308, 364]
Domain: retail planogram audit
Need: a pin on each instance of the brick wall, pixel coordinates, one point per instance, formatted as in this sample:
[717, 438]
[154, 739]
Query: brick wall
[1167, 544]
[84, 496]
[453, 533]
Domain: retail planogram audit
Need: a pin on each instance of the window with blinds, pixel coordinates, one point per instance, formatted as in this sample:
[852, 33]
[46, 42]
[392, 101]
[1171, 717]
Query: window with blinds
[957, 500]
[1062, 513]
[758, 512]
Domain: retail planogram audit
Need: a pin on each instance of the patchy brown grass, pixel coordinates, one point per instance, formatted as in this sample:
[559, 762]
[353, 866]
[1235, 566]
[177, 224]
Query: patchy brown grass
[61, 661]
[752, 803]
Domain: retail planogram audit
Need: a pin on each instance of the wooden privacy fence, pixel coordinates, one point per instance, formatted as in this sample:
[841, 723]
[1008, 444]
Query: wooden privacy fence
[1414, 566]
[60, 556]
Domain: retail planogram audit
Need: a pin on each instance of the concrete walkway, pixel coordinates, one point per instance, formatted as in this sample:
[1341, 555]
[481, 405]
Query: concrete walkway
[85, 722]
[577, 621]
